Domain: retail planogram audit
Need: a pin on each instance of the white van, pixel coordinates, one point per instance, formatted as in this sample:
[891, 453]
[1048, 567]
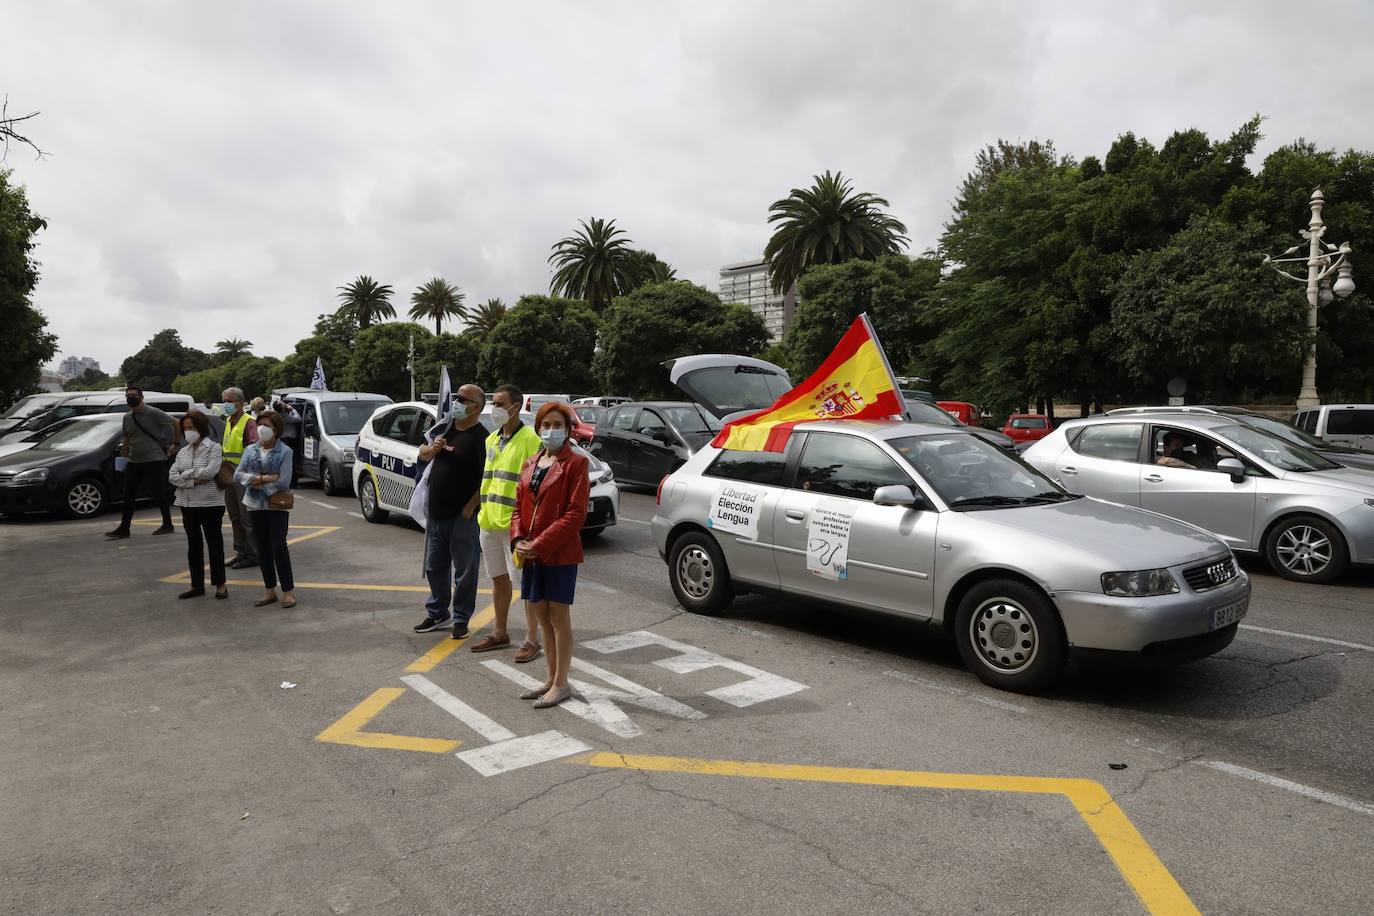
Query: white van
[1339, 424]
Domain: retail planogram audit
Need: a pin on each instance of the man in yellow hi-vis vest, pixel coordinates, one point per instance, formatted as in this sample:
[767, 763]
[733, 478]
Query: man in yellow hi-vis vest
[239, 433]
[508, 448]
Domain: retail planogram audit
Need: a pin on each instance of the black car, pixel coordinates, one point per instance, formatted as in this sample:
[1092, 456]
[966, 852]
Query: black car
[71, 470]
[644, 442]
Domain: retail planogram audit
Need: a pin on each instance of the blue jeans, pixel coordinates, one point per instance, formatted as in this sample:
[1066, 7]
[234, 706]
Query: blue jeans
[451, 549]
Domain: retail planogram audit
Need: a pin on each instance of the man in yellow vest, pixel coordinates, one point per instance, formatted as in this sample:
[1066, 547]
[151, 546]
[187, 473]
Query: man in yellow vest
[508, 448]
[239, 433]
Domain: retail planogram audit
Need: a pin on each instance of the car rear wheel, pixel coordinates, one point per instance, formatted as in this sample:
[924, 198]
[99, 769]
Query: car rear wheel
[1307, 549]
[700, 579]
[1010, 635]
[329, 481]
[591, 533]
[367, 498]
[85, 497]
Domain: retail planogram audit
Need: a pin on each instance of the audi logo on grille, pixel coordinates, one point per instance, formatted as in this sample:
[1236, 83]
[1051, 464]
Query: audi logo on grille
[1219, 572]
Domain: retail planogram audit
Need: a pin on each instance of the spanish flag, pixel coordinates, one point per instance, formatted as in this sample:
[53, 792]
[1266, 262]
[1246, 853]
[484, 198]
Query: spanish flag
[854, 383]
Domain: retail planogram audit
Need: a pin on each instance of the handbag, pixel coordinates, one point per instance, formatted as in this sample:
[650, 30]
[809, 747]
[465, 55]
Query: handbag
[285, 500]
[224, 477]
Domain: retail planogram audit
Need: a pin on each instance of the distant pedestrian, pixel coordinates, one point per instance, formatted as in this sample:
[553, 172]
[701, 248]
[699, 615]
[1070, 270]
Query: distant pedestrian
[257, 407]
[546, 532]
[452, 551]
[202, 507]
[265, 473]
[239, 432]
[509, 446]
[149, 437]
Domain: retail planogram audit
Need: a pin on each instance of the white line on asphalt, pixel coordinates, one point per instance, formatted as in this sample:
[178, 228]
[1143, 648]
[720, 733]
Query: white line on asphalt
[1334, 642]
[325, 505]
[633, 521]
[358, 515]
[1331, 798]
[521, 752]
[591, 585]
[484, 726]
[953, 691]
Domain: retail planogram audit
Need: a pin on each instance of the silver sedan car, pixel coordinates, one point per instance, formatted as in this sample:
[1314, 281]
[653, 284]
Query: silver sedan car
[936, 525]
[1258, 492]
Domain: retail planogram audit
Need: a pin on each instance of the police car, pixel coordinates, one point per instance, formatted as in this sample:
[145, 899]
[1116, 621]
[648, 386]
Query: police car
[387, 467]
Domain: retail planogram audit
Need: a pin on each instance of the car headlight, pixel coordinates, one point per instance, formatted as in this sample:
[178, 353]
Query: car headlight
[1143, 583]
[1369, 502]
[32, 475]
[349, 455]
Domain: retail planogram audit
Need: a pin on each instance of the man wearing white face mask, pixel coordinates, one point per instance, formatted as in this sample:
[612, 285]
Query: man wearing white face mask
[508, 448]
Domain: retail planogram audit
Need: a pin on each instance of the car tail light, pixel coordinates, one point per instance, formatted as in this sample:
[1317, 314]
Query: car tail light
[658, 497]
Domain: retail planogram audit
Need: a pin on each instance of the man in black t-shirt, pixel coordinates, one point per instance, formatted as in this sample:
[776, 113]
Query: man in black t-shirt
[452, 554]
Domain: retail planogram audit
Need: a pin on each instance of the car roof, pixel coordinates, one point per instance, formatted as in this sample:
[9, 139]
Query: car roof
[1174, 417]
[316, 395]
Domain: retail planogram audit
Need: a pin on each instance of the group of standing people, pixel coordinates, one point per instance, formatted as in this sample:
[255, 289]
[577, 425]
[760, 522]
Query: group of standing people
[512, 500]
[247, 474]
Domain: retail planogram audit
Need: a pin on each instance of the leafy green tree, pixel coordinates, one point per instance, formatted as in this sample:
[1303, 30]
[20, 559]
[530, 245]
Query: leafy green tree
[380, 357]
[545, 344]
[25, 343]
[161, 360]
[90, 380]
[297, 368]
[484, 319]
[339, 326]
[251, 373]
[367, 301]
[459, 352]
[437, 300]
[203, 385]
[666, 320]
[828, 223]
[593, 264]
[233, 348]
[646, 268]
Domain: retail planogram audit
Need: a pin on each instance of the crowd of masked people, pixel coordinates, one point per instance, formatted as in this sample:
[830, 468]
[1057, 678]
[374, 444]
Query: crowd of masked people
[511, 499]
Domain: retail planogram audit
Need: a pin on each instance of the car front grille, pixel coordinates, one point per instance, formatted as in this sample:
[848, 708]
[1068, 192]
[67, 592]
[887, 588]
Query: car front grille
[1210, 575]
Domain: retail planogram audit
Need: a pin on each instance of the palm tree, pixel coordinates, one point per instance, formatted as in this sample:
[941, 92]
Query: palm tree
[645, 268]
[486, 316]
[592, 264]
[367, 299]
[828, 224]
[438, 299]
[233, 347]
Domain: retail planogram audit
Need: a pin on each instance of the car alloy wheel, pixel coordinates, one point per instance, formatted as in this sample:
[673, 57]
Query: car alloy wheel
[1304, 550]
[695, 572]
[84, 498]
[1004, 635]
[367, 498]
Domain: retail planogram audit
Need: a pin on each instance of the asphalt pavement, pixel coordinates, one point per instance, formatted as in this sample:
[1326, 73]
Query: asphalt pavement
[165, 756]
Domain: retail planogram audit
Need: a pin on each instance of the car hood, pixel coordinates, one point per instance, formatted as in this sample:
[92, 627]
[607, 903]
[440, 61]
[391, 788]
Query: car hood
[32, 458]
[999, 439]
[344, 440]
[1120, 537]
[1350, 457]
[11, 448]
[1356, 480]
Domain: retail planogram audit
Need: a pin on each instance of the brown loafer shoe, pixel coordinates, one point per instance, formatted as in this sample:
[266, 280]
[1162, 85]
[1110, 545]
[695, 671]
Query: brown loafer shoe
[528, 652]
[490, 642]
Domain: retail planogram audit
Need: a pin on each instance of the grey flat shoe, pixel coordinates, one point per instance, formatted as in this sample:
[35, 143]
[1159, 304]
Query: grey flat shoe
[535, 693]
[559, 697]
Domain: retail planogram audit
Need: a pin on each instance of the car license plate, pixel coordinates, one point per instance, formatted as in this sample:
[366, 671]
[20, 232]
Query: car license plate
[1227, 615]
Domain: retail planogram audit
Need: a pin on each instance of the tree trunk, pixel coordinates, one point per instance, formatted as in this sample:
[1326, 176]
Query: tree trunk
[1049, 409]
[1097, 406]
[437, 320]
[1040, 404]
[1085, 406]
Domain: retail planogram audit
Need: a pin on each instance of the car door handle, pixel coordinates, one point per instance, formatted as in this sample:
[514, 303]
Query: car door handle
[796, 515]
[1069, 472]
[636, 443]
[1153, 478]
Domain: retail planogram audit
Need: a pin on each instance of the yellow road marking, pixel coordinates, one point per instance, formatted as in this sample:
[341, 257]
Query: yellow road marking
[1134, 858]
[445, 647]
[349, 728]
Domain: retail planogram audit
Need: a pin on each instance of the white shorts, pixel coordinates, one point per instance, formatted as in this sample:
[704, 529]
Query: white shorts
[496, 553]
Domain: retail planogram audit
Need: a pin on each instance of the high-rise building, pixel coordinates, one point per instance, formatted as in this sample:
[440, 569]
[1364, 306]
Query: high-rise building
[748, 283]
[75, 366]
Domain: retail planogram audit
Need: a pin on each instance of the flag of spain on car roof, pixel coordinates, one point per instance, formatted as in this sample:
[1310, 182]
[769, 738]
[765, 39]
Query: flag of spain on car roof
[854, 383]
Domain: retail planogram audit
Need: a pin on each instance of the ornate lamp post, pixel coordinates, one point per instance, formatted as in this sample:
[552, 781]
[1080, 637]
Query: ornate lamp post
[1322, 259]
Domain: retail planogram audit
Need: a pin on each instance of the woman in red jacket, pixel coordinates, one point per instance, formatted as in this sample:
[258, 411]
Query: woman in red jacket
[546, 534]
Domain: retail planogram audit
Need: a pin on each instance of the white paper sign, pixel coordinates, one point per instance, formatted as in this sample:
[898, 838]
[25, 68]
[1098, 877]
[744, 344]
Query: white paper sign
[827, 540]
[310, 448]
[735, 510]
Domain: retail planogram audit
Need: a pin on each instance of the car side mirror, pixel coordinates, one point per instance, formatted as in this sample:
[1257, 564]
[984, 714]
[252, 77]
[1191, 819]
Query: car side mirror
[897, 495]
[1233, 468]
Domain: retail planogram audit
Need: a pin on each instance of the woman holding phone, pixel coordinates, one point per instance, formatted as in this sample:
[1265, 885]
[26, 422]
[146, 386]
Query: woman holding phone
[546, 534]
[265, 474]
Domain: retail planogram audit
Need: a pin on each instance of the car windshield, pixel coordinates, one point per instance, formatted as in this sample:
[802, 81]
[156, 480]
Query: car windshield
[1281, 453]
[24, 408]
[730, 389]
[692, 420]
[1284, 431]
[922, 412]
[970, 473]
[345, 418]
[1028, 423]
[588, 414]
[80, 437]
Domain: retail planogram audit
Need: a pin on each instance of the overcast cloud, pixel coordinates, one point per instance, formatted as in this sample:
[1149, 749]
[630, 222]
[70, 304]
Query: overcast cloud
[222, 168]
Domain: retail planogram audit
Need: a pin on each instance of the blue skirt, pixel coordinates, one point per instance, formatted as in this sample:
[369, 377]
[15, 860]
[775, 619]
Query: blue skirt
[541, 582]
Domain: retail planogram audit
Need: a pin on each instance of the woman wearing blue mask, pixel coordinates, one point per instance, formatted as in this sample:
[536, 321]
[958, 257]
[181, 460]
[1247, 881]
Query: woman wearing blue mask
[546, 534]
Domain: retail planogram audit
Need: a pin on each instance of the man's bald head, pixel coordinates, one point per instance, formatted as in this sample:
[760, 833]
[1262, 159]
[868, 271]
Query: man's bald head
[472, 399]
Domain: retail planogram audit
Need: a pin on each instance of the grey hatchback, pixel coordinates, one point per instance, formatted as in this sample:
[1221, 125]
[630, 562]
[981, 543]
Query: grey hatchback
[937, 525]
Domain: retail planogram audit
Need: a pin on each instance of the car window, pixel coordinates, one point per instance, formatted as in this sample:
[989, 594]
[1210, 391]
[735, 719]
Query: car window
[27, 407]
[693, 420]
[624, 419]
[1184, 449]
[970, 473]
[650, 423]
[1283, 430]
[588, 414]
[730, 388]
[1112, 441]
[82, 436]
[344, 418]
[841, 465]
[922, 412]
[177, 406]
[425, 421]
[1028, 423]
[397, 425]
[1349, 422]
[1281, 453]
[750, 467]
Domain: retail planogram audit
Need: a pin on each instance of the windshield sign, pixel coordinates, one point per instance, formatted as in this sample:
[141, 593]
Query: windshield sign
[1281, 453]
[970, 473]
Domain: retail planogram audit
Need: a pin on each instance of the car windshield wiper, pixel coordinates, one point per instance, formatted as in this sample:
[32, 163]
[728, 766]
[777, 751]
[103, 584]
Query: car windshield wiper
[989, 502]
[1054, 496]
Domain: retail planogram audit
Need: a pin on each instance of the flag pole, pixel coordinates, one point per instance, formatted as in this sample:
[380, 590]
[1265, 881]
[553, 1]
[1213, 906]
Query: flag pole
[878, 344]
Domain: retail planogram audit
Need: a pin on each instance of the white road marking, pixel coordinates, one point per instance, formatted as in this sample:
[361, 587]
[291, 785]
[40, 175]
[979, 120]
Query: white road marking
[632, 521]
[514, 753]
[761, 686]
[316, 502]
[597, 710]
[484, 726]
[1334, 642]
[358, 515]
[596, 586]
[636, 693]
[1331, 798]
[953, 691]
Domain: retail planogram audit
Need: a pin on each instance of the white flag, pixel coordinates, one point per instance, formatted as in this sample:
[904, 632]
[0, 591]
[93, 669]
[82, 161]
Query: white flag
[419, 497]
[446, 403]
[317, 379]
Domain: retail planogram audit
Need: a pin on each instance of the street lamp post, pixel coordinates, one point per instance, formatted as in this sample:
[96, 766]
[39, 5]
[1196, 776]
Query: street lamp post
[1322, 259]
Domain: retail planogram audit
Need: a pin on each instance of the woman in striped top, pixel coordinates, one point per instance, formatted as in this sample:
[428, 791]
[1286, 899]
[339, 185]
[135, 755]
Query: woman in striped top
[202, 504]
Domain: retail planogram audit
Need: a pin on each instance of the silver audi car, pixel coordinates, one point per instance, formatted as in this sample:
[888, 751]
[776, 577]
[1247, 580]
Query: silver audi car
[936, 525]
[1258, 492]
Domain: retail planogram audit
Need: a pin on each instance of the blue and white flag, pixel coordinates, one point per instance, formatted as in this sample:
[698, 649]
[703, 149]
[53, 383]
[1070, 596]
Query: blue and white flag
[446, 404]
[317, 379]
[419, 497]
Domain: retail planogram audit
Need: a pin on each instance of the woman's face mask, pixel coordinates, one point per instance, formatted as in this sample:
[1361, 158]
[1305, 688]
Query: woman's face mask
[266, 433]
[553, 437]
[192, 437]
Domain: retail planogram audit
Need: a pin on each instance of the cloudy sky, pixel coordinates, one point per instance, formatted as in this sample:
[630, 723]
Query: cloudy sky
[222, 168]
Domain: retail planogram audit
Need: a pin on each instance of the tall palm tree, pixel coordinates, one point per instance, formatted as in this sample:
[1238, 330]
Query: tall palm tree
[367, 299]
[645, 268]
[592, 264]
[828, 224]
[486, 316]
[233, 347]
[438, 299]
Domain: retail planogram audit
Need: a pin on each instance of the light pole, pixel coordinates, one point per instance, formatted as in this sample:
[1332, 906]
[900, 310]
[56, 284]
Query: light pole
[1322, 258]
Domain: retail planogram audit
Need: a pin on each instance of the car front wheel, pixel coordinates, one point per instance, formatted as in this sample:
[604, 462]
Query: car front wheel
[367, 499]
[1010, 635]
[1307, 549]
[329, 481]
[85, 498]
[700, 579]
